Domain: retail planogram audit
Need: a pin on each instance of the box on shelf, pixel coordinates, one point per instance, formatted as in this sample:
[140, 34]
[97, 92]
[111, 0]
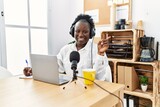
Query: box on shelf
[128, 76]
[138, 70]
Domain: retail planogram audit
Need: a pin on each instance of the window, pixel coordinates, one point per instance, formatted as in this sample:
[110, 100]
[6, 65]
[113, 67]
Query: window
[26, 31]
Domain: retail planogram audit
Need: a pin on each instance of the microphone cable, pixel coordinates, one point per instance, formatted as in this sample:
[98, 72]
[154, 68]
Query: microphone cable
[92, 52]
[103, 89]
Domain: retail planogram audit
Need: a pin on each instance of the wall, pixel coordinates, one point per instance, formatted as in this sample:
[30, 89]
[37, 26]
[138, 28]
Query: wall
[148, 11]
[61, 15]
[57, 23]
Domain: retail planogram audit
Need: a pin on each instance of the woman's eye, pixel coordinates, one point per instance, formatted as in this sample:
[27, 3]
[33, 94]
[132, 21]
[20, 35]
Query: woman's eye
[85, 32]
[77, 31]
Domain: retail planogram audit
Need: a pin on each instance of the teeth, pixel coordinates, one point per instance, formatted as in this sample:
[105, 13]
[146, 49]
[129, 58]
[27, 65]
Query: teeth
[81, 38]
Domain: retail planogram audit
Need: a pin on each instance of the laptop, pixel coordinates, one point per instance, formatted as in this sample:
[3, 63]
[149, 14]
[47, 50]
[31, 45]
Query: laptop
[45, 68]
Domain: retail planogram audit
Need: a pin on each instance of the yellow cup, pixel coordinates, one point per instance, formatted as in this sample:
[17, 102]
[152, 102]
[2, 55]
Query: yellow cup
[90, 75]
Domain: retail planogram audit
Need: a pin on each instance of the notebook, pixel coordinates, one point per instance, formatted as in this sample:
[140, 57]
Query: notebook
[45, 68]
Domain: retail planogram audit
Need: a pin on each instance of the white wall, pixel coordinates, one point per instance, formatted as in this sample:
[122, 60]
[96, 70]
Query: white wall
[61, 15]
[57, 24]
[148, 11]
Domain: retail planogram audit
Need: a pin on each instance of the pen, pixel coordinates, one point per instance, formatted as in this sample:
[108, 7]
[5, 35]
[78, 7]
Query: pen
[27, 62]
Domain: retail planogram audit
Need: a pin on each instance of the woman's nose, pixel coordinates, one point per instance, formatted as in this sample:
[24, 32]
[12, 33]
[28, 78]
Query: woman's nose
[81, 34]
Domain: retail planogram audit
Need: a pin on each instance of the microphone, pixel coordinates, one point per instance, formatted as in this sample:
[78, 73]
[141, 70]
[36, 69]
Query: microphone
[74, 59]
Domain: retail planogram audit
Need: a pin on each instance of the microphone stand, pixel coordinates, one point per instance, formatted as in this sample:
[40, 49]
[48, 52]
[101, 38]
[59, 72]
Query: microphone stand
[74, 79]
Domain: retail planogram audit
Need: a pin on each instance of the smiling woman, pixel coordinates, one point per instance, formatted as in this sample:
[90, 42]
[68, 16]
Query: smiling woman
[91, 55]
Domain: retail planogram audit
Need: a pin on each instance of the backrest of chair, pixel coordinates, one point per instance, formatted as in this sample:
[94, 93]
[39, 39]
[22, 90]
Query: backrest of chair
[4, 73]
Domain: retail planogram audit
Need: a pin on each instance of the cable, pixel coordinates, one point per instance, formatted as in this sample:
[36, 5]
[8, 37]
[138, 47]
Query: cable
[103, 89]
[92, 52]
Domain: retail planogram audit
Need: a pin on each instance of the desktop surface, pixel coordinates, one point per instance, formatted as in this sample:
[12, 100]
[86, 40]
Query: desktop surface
[15, 92]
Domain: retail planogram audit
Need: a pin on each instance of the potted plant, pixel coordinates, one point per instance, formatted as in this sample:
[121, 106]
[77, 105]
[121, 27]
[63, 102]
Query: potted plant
[144, 82]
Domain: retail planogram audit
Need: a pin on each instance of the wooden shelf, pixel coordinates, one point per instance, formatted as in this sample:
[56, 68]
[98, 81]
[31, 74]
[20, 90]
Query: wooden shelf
[124, 4]
[155, 63]
[151, 69]
[148, 68]
[120, 60]
[139, 93]
[122, 30]
[123, 44]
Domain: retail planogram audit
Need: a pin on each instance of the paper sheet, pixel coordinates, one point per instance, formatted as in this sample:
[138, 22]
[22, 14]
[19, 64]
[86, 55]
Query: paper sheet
[94, 14]
[122, 12]
[25, 77]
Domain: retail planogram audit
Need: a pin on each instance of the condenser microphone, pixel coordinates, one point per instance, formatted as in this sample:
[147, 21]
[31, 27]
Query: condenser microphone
[74, 59]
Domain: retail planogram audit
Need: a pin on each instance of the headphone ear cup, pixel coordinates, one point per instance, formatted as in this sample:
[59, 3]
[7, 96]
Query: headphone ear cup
[72, 31]
[92, 33]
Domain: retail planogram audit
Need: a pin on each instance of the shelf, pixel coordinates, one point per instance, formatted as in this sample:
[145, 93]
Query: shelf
[139, 93]
[122, 30]
[121, 66]
[133, 62]
[125, 41]
[123, 4]
[120, 60]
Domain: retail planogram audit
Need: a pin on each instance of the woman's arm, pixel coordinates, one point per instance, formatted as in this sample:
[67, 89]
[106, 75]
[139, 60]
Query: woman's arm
[101, 62]
[103, 69]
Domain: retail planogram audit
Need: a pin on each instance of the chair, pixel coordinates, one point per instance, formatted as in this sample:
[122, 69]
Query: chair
[4, 73]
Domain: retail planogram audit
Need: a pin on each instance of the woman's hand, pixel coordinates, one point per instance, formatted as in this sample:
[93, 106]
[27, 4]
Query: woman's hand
[27, 71]
[103, 44]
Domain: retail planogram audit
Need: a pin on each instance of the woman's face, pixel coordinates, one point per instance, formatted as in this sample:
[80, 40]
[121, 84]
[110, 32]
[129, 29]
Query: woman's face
[82, 33]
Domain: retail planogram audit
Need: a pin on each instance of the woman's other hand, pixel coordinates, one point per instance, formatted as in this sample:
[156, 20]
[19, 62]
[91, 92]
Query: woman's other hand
[27, 71]
[103, 44]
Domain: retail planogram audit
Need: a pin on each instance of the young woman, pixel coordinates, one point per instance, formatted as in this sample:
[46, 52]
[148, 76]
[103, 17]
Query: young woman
[91, 55]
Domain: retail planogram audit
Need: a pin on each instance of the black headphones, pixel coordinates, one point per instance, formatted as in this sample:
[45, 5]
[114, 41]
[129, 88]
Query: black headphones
[92, 30]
